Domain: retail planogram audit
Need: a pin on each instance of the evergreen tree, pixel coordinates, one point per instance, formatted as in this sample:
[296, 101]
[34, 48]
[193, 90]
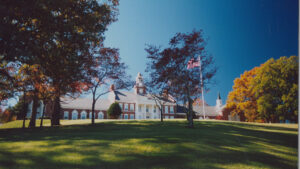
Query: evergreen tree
[114, 111]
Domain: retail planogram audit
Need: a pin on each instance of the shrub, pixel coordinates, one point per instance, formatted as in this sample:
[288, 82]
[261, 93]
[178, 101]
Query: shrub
[7, 116]
[219, 117]
[114, 111]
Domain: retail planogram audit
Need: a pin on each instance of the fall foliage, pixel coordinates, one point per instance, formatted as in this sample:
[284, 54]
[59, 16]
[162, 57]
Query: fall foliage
[7, 116]
[242, 99]
[51, 40]
[268, 93]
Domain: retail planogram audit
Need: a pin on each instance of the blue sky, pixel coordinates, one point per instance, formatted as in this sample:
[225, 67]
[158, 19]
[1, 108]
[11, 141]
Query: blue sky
[241, 34]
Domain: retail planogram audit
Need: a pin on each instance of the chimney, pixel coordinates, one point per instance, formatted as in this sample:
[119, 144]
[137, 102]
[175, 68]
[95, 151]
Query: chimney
[165, 94]
[112, 87]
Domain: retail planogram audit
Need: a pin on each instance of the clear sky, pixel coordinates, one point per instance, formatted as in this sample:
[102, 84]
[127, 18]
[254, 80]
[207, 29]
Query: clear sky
[241, 34]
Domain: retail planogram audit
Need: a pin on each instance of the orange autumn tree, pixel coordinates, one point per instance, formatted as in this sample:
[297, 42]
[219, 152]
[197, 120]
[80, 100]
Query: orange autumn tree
[37, 87]
[242, 99]
[46, 94]
[57, 35]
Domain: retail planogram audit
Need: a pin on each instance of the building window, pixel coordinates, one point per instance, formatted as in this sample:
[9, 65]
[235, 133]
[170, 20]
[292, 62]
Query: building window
[140, 116]
[121, 105]
[166, 117]
[172, 110]
[74, 115]
[131, 107]
[147, 109]
[83, 115]
[171, 117]
[125, 116]
[66, 115]
[166, 109]
[126, 107]
[131, 116]
[154, 109]
[140, 108]
[100, 115]
[90, 115]
[120, 117]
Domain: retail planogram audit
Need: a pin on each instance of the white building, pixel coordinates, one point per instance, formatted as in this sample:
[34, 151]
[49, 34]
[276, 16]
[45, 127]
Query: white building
[39, 109]
[135, 105]
[210, 112]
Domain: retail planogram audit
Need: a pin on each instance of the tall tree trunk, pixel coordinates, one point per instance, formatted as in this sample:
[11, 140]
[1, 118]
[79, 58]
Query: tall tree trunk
[190, 119]
[161, 114]
[44, 108]
[159, 104]
[186, 112]
[190, 104]
[187, 116]
[93, 112]
[34, 110]
[24, 109]
[56, 111]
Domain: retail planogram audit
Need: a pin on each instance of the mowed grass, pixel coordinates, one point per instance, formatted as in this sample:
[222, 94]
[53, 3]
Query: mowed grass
[149, 144]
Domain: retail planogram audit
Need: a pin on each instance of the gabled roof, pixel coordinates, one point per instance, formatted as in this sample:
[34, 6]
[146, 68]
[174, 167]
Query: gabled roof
[199, 102]
[103, 104]
[209, 110]
[131, 97]
[84, 103]
[124, 96]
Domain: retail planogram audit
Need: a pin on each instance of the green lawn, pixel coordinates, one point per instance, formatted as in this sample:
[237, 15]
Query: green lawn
[149, 144]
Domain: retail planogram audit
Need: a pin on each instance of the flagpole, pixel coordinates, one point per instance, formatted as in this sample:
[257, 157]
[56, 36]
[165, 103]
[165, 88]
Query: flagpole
[201, 83]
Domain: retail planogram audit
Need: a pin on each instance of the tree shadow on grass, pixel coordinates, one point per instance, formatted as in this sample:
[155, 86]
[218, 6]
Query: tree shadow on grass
[267, 126]
[152, 144]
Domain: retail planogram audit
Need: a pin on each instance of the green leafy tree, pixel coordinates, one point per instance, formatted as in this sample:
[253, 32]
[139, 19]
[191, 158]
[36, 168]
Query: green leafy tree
[114, 111]
[276, 87]
[57, 35]
[17, 109]
[7, 82]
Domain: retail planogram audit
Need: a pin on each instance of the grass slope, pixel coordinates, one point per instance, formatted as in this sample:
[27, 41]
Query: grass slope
[149, 144]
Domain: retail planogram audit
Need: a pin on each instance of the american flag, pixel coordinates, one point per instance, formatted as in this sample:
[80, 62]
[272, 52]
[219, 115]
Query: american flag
[193, 63]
